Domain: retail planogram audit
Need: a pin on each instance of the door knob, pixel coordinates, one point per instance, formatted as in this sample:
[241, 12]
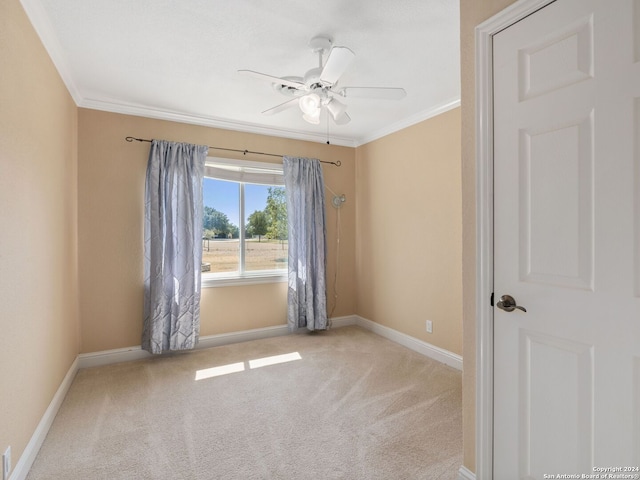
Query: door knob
[508, 304]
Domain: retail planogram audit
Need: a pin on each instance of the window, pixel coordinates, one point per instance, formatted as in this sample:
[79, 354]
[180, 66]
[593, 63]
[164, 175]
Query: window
[244, 225]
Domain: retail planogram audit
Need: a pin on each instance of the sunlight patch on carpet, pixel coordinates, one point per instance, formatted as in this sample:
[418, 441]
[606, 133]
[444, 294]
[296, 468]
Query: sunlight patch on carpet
[219, 371]
[240, 366]
[274, 360]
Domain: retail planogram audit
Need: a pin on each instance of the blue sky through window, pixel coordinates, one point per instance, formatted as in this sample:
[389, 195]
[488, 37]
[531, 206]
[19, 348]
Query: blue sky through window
[224, 197]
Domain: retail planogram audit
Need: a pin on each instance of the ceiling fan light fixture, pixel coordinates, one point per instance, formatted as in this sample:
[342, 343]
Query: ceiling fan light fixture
[338, 110]
[313, 119]
[310, 104]
[319, 86]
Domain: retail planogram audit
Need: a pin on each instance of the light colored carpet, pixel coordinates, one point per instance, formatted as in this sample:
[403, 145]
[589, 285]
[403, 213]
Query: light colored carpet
[354, 406]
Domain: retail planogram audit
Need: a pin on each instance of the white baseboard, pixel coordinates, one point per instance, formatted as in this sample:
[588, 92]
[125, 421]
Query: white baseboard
[108, 357]
[440, 354]
[118, 355]
[33, 447]
[465, 474]
[241, 336]
[337, 322]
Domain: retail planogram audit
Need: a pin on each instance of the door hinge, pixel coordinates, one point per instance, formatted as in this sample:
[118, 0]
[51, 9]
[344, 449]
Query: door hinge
[492, 299]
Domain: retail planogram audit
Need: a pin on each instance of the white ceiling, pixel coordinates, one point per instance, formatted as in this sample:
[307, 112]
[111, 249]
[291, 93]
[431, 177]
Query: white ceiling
[178, 59]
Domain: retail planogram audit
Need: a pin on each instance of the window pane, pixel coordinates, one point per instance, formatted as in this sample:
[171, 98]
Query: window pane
[220, 235]
[265, 227]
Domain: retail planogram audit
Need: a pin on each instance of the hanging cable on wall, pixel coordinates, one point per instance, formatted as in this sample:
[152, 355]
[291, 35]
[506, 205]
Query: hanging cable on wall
[337, 201]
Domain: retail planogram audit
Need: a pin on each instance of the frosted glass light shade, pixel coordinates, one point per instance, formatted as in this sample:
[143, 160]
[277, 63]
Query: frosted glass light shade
[314, 119]
[309, 104]
[338, 111]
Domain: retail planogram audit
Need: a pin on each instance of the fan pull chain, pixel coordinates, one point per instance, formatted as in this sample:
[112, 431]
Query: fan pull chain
[327, 116]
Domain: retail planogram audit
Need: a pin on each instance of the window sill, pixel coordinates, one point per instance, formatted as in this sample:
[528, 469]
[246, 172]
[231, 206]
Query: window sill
[213, 280]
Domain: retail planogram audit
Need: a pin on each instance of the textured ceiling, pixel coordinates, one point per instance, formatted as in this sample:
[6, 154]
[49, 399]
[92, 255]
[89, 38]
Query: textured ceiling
[178, 60]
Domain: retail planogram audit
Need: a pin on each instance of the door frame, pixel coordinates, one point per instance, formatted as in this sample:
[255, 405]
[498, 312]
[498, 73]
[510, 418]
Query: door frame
[484, 224]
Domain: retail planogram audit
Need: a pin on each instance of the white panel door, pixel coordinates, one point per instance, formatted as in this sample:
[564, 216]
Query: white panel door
[567, 240]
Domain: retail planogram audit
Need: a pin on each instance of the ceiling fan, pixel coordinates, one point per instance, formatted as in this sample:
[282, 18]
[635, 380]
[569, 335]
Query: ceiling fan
[318, 87]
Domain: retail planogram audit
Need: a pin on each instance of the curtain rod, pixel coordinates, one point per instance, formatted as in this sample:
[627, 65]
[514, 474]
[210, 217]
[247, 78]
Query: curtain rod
[244, 152]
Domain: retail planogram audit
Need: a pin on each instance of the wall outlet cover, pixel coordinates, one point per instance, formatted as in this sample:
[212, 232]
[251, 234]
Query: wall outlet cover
[429, 326]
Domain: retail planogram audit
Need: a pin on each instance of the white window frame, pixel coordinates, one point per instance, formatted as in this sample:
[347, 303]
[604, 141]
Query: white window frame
[242, 172]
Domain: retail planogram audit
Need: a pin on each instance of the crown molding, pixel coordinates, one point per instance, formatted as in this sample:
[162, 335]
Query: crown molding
[148, 112]
[409, 121]
[41, 24]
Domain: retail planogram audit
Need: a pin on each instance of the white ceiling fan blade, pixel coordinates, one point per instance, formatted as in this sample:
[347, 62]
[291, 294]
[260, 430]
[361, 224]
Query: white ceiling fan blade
[339, 60]
[382, 93]
[281, 107]
[272, 79]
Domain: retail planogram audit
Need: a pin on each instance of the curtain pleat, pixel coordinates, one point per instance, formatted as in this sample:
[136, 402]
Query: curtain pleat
[307, 295]
[173, 246]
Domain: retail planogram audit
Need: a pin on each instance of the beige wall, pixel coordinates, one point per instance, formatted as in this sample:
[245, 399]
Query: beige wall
[472, 13]
[38, 244]
[409, 231]
[111, 193]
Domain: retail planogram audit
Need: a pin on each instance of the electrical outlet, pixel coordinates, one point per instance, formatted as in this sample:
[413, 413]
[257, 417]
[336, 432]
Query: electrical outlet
[429, 326]
[6, 463]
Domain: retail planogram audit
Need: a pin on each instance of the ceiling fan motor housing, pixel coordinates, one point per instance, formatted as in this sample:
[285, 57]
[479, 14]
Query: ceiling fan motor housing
[312, 78]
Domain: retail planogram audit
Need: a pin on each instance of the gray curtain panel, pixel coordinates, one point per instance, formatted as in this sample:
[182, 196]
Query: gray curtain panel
[307, 295]
[173, 246]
